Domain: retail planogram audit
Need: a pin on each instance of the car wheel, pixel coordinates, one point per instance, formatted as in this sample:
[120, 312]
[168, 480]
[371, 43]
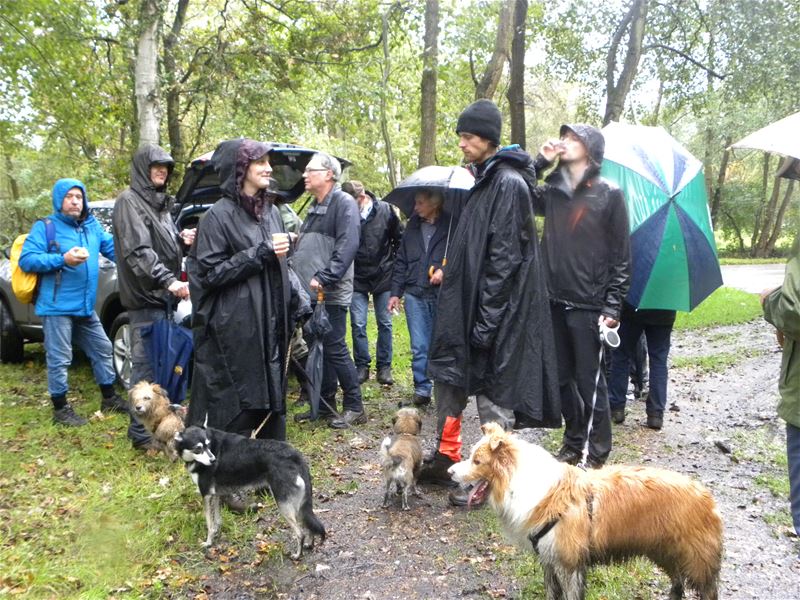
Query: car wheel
[11, 342]
[121, 339]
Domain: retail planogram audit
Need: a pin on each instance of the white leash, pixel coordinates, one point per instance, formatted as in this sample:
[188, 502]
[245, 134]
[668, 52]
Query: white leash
[585, 452]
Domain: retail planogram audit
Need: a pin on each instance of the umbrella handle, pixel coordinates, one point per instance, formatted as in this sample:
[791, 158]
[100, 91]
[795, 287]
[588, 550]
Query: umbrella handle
[320, 296]
[432, 268]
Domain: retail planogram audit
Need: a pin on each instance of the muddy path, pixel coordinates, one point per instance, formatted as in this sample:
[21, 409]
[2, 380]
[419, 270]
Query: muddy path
[726, 420]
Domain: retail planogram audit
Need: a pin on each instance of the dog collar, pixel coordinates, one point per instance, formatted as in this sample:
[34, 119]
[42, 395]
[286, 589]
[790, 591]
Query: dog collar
[535, 538]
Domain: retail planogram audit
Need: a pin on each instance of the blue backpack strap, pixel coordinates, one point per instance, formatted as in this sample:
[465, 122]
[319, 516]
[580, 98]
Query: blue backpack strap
[50, 235]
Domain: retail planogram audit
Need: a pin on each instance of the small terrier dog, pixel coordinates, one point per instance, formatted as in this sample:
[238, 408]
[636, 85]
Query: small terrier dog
[401, 456]
[162, 419]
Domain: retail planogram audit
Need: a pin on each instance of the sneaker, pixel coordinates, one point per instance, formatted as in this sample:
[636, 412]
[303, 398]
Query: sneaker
[655, 422]
[66, 416]
[435, 472]
[363, 374]
[568, 455]
[465, 496]
[418, 400]
[348, 418]
[618, 415]
[114, 404]
[384, 376]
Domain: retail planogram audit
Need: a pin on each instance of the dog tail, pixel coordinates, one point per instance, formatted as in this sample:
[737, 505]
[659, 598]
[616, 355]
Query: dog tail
[387, 456]
[313, 524]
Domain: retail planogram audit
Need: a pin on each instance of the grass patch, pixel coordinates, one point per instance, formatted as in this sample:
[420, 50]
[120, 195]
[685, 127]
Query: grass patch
[726, 306]
[709, 363]
[752, 261]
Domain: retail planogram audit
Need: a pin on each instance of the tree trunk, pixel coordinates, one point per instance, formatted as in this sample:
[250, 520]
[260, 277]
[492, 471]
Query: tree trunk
[776, 230]
[486, 87]
[769, 215]
[716, 198]
[760, 209]
[387, 141]
[173, 90]
[516, 86]
[633, 23]
[146, 73]
[736, 228]
[430, 68]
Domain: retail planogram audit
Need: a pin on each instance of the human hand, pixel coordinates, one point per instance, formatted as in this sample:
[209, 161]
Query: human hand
[314, 284]
[765, 294]
[607, 321]
[76, 256]
[437, 277]
[552, 149]
[779, 337]
[179, 289]
[393, 304]
[188, 235]
[280, 244]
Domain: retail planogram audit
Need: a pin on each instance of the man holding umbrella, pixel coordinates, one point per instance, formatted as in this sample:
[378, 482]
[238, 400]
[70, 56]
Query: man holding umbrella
[492, 337]
[586, 249]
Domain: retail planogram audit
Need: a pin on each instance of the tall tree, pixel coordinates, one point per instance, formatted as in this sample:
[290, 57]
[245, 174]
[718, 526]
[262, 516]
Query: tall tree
[430, 60]
[487, 85]
[173, 86]
[146, 73]
[516, 86]
[632, 24]
[387, 140]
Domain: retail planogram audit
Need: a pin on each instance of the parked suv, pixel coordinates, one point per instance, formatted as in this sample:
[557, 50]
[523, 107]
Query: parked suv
[198, 191]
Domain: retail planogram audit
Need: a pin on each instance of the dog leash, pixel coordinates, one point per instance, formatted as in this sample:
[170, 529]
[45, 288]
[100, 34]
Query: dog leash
[585, 451]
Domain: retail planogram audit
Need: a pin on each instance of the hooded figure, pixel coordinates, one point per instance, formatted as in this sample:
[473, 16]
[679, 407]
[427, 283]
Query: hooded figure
[246, 303]
[492, 333]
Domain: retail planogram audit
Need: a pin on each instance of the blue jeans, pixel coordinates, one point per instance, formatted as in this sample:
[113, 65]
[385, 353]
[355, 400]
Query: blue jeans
[793, 454]
[60, 332]
[658, 344]
[337, 365]
[420, 316]
[358, 325]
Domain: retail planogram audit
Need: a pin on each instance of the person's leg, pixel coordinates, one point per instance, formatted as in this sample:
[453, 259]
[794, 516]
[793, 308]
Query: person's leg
[358, 327]
[658, 345]
[141, 369]
[450, 403]
[793, 454]
[639, 374]
[571, 410]
[58, 355]
[489, 412]
[418, 319]
[583, 330]
[337, 355]
[383, 348]
[629, 334]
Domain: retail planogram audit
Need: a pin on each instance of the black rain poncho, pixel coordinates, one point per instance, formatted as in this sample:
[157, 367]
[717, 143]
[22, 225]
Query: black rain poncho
[493, 332]
[245, 300]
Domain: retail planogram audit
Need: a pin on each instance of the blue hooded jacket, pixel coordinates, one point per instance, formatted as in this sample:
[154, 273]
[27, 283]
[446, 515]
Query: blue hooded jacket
[65, 290]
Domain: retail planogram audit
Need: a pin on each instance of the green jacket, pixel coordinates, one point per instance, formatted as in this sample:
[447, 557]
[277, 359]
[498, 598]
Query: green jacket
[782, 309]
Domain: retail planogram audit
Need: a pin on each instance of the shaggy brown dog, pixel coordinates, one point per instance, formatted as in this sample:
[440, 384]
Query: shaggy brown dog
[573, 519]
[401, 456]
[162, 419]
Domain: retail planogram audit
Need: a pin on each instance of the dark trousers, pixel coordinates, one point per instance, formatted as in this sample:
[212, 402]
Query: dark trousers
[658, 344]
[578, 350]
[248, 420]
[141, 369]
[338, 366]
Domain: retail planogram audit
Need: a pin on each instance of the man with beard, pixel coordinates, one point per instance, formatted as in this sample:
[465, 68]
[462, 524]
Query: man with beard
[149, 251]
[492, 337]
[586, 247]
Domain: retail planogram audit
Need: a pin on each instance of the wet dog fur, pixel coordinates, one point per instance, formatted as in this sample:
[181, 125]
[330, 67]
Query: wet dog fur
[574, 519]
[163, 420]
[401, 456]
[222, 463]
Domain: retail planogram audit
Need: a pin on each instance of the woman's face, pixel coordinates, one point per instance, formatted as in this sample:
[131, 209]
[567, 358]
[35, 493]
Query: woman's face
[258, 174]
[424, 207]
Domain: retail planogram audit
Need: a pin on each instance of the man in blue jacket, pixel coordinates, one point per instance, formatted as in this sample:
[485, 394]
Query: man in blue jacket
[67, 264]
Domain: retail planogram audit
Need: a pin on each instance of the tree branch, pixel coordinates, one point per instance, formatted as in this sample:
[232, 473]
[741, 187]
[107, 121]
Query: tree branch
[685, 56]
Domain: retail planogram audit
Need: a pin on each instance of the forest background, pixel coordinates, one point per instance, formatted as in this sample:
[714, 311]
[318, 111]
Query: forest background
[83, 83]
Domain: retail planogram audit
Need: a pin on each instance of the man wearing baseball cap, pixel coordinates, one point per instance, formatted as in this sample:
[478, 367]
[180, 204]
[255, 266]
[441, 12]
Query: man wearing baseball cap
[492, 337]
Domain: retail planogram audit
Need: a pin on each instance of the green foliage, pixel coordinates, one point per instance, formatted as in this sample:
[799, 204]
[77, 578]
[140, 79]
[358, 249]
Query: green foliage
[726, 306]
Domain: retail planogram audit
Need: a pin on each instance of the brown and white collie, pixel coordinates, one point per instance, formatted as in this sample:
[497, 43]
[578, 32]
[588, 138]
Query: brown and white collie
[574, 519]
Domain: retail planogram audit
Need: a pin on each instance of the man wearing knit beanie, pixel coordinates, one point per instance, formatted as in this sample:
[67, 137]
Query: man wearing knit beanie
[493, 282]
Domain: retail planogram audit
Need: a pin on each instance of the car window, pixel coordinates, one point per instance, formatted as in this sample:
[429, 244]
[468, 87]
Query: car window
[103, 214]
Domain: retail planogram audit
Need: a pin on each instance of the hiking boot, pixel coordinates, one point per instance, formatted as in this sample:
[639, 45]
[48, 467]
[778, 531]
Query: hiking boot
[306, 416]
[618, 415]
[66, 416]
[147, 446]
[363, 374]
[384, 376]
[463, 496]
[114, 404]
[568, 455]
[594, 463]
[418, 400]
[655, 422]
[435, 472]
[348, 418]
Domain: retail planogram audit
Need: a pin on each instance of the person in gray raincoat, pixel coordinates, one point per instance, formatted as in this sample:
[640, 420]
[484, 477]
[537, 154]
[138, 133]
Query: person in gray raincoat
[246, 300]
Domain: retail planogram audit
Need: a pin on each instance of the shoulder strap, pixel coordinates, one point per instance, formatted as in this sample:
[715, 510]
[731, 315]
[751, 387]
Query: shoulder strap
[50, 235]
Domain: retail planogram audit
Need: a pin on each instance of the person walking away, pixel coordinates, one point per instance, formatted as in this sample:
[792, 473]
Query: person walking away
[782, 310]
[323, 260]
[416, 278]
[67, 261]
[493, 284]
[586, 246]
[246, 300]
[149, 250]
[381, 231]
[656, 325]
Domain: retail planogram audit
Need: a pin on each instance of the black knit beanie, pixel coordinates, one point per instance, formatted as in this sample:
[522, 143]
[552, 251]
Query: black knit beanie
[482, 118]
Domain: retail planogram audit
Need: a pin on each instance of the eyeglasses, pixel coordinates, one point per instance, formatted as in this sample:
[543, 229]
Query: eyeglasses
[310, 170]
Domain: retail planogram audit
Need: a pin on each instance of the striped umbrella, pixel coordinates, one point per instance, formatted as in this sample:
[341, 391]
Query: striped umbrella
[674, 257]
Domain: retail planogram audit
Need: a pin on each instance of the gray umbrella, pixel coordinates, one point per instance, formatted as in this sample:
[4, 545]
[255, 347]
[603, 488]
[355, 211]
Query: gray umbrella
[453, 182]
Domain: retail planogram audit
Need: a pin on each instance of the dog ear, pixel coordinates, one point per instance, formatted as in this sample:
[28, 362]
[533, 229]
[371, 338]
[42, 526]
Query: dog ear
[495, 443]
[159, 391]
[394, 420]
[491, 428]
[419, 423]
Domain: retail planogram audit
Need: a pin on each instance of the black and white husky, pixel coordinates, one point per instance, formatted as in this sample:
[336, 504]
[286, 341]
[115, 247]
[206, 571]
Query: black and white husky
[223, 463]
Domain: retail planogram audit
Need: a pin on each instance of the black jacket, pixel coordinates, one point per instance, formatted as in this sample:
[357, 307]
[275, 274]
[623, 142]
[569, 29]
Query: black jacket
[413, 263]
[586, 241]
[647, 316]
[146, 242]
[493, 332]
[380, 237]
[245, 302]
